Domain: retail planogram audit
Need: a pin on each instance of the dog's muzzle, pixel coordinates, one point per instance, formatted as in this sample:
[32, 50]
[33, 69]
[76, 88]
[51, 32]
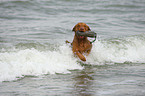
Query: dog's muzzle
[90, 34]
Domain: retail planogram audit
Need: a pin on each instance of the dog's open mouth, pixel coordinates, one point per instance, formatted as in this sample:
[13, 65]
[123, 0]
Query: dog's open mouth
[81, 37]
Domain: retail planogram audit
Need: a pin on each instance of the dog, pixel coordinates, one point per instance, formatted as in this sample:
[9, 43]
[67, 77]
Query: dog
[81, 44]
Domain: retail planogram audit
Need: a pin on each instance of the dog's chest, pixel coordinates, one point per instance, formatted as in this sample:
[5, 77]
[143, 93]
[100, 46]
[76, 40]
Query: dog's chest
[83, 47]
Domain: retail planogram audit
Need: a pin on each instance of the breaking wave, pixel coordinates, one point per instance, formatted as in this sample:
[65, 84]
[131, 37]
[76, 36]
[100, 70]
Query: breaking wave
[18, 62]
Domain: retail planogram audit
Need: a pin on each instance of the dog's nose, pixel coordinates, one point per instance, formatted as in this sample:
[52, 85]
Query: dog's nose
[82, 29]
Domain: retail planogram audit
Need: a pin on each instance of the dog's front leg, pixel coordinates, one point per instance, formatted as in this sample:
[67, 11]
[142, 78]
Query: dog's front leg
[82, 57]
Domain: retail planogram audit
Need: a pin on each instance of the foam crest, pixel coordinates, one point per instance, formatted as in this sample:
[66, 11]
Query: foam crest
[129, 49]
[34, 62]
[29, 61]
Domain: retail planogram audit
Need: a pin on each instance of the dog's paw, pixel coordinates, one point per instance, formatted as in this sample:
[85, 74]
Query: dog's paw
[67, 41]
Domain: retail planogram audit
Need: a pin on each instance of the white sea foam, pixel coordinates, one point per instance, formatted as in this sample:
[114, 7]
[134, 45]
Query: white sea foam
[34, 62]
[129, 49]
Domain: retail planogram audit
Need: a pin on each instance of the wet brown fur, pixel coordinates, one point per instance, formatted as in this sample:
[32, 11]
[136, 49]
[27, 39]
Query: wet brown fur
[81, 45]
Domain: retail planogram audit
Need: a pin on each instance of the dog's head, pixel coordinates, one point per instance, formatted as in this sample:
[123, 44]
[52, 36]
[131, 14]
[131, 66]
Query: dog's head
[82, 27]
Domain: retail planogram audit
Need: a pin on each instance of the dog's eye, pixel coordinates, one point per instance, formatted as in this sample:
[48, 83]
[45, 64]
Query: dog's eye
[78, 25]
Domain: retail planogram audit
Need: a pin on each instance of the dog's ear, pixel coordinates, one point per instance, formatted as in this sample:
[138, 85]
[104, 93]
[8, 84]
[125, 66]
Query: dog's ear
[74, 28]
[89, 28]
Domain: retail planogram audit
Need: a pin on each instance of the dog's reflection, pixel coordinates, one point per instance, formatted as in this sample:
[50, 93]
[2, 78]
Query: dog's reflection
[83, 84]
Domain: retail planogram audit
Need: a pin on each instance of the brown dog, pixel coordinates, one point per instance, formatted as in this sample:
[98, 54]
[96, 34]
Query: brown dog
[81, 44]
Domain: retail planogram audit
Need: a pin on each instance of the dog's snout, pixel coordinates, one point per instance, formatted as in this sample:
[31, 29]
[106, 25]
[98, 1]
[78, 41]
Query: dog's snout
[82, 29]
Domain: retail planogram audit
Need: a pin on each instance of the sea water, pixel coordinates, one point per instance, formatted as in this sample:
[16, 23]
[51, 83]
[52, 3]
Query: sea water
[35, 61]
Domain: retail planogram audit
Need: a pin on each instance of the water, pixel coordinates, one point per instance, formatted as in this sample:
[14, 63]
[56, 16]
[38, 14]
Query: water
[35, 61]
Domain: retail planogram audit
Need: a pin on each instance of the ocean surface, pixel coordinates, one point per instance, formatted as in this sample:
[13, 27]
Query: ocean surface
[35, 61]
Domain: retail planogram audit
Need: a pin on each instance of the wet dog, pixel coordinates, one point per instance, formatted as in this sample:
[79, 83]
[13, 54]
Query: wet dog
[81, 44]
